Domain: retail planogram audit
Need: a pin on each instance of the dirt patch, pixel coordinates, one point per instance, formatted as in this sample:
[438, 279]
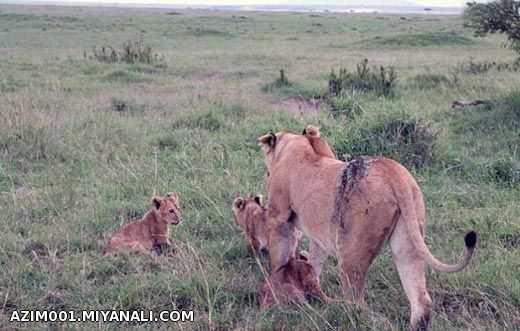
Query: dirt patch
[299, 103]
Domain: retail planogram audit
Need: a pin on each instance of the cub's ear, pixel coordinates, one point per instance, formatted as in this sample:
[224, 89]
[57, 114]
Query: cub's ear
[239, 203]
[311, 130]
[173, 195]
[267, 140]
[157, 202]
[258, 199]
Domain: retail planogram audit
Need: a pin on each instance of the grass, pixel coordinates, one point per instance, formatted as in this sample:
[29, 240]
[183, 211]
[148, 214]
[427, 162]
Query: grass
[84, 145]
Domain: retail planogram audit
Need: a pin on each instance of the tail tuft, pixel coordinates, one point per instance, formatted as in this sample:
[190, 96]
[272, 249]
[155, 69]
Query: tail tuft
[471, 239]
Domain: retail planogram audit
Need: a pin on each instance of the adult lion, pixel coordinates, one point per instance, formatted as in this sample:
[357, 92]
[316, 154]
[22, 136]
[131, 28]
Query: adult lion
[350, 209]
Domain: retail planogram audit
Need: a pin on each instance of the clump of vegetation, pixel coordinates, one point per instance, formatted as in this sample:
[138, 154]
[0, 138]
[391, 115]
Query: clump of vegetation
[502, 16]
[395, 135]
[280, 82]
[132, 51]
[428, 81]
[345, 106]
[124, 106]
[512, 104]
[417, 40]
[379, 80]
[476, 68]
[505, 170]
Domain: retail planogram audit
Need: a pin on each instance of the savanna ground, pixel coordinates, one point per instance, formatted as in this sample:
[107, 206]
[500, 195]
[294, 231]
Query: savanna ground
[85, 144]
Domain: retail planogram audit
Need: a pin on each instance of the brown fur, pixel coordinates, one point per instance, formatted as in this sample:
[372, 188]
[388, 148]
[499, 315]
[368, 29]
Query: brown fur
[151, 231]
[290, 283]
[251, 217]
[351, 210]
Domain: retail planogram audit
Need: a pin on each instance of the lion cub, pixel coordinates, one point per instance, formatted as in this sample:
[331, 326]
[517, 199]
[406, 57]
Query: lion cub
[290, 283]
[151, 232]
[251, 217]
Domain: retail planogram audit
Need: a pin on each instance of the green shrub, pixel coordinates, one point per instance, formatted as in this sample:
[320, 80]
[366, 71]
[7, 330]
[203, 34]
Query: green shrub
[280, 82]
[505, 170]
[379, 80]
[396, 135]
[132, 51]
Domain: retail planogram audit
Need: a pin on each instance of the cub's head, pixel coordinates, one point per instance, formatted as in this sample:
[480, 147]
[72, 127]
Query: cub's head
[167, 209]
[309, 140]
[319, 145]
[250, 216]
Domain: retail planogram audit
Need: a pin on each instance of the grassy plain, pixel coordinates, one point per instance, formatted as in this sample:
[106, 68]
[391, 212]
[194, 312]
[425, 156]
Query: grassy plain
[73, 168]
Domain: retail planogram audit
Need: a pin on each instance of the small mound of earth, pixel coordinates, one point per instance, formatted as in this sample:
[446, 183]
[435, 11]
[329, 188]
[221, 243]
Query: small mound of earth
[299, 103]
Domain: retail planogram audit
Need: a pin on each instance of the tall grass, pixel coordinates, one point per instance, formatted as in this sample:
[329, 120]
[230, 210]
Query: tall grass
[85, 144]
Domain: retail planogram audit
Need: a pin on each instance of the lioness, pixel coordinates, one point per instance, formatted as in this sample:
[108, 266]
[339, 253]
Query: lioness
[251, 217]
[350, 209]
[290, 283]
[152, 230]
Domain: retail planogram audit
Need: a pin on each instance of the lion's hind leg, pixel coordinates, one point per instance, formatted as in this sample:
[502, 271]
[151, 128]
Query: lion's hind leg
[410, 267]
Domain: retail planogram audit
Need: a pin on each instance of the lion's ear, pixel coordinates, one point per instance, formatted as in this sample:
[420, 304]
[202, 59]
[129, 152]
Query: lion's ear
[311, 130]
[157, 202]
[258, 199]
[267, 140]
[239, 203]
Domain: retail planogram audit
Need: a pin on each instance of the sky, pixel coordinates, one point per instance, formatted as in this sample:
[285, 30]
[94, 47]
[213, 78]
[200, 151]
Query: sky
[424, 3]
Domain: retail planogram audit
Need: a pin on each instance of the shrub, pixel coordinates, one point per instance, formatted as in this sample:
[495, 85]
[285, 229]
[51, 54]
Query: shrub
[396, 135]
[280, 82]
[133, 51]
[505, 170]
[380, 80]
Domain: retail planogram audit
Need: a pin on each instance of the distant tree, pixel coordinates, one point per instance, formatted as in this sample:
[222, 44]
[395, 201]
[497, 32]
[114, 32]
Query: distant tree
[499, 16]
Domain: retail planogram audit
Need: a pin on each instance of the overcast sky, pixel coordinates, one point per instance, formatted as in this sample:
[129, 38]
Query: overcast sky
[425, 3]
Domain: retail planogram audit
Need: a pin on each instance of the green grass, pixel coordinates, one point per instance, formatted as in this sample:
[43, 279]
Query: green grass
[75, 164]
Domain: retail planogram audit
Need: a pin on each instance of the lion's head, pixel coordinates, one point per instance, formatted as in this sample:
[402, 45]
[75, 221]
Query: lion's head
[309, 139]
[166, 209]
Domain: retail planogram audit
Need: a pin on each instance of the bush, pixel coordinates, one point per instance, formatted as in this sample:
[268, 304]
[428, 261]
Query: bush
[397, 135]
[279, 83]
[133, 51]
[380, 80]
[505, 170]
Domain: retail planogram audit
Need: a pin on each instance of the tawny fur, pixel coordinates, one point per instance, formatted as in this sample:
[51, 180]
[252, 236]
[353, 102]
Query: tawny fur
[251, 217]
[151, 231]
[289, 284]
[350, 210]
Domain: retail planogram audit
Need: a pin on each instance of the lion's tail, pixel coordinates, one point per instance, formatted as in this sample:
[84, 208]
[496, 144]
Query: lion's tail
[409, 215]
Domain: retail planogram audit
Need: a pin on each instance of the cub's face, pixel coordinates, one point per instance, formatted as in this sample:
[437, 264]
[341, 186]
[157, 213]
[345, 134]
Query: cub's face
[167, 208]
[249, 215]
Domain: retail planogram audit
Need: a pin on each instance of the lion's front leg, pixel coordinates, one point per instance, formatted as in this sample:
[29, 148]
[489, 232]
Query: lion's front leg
[318, 256]
[280, 238]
